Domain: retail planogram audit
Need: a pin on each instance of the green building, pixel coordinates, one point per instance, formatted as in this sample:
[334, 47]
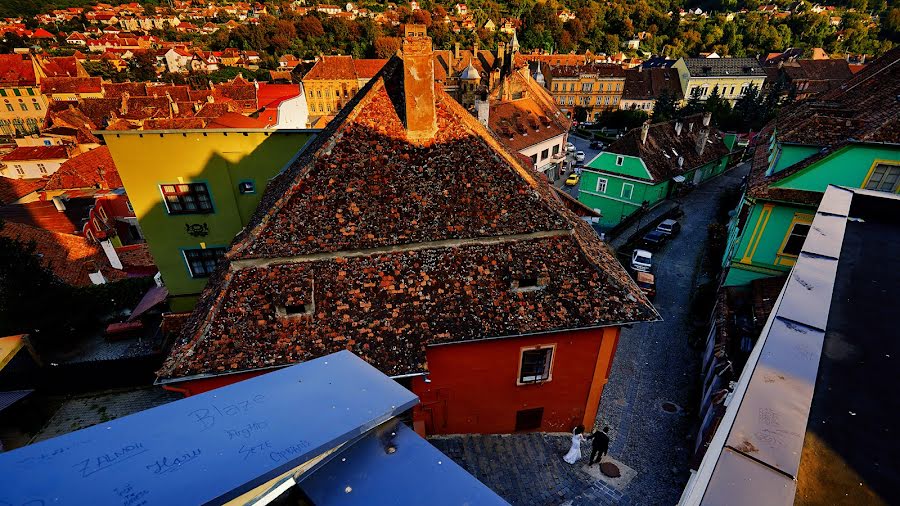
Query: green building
[644, 166]
[193, 190]
[848, 138]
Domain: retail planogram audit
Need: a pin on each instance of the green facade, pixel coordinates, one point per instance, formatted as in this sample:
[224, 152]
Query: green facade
[760, 230]
[220, 159]
[610, 184]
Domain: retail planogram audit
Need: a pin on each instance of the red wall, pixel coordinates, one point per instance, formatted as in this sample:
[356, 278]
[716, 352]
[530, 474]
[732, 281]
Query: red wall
[473, 386]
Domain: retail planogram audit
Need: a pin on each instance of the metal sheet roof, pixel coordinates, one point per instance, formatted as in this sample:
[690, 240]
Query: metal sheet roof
[413, 472]
[211, 447]
[738, 481]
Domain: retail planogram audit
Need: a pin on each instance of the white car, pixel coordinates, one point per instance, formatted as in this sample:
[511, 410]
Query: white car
[579, 156]
[570, 147]
[641, 260]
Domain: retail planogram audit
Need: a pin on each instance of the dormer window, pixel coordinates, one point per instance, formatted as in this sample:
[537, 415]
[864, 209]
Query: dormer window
[529, 283]
[297, 304]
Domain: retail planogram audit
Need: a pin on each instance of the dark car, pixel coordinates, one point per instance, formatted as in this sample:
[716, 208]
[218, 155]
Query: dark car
[653, 240]
[596, 145]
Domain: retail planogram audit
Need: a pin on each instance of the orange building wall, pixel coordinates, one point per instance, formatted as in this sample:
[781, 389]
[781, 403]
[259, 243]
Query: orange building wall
[473, 386]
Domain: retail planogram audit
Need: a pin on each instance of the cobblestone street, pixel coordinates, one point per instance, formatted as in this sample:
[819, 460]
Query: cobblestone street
[653, 364]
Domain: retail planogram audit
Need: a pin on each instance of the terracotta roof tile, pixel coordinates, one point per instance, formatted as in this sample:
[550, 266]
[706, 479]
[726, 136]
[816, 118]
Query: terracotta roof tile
[71, 85]
[93, 169]
[70, 257]
[36, 153]
[12, 190]
[647, 84]
[395, 246]
[16, 70]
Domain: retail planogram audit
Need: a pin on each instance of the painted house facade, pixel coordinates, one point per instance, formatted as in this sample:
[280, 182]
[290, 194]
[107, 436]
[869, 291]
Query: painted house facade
[426, 247]
[847, 137]
[189, 206]
[642, 168]
[731, 76]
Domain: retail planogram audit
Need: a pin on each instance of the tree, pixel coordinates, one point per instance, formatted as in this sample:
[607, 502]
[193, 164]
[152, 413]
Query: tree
[665, 107]
[580, 114]
[385, 47]
[694, 103]
[310, 26]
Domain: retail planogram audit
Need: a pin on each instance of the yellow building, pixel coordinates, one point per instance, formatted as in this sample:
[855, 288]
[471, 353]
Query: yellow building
[593, 87]
[732, 76]
[193, 190]
[333, 81]
[22, 103]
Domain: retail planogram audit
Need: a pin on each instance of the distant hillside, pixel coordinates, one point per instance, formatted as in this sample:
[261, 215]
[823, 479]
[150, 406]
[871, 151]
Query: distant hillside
[14, 8]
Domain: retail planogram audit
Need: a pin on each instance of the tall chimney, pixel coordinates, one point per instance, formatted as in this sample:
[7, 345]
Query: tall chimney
[678, 127]
[483, 108]
[501, 54]
[418, 89]
[702, 135]
[645, 130]
[125, 97]
[456, 51]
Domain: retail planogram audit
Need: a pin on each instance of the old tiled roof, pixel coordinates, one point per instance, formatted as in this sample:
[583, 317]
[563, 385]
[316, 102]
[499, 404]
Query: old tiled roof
[529, 117]
[93, 169]
[366, 68]
[12, 190]
[16, 70]
[606, 70]
[116, 90]
[70, 257]
[664, 146]
[332, 67]
[821, 75]
[723, 67]
[61, 66]
[648, 84]
[395, 246]
[99, 110]
[863, 109]
[174, 123]
[36, 153]
[71, 85]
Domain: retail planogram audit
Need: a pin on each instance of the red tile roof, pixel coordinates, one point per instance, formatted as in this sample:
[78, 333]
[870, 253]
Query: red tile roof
[395, 246]
[12, 190]
[70, 257]
[94, 169]
[16, 70]
[367, 68]
[61, 66]
[332, 67]
[36, 153]
[71, 85]
[528, 120]
[235, 120]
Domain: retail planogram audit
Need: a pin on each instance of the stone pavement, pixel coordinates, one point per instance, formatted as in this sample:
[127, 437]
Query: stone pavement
[653, 364]
[528, 469]
[85, 410]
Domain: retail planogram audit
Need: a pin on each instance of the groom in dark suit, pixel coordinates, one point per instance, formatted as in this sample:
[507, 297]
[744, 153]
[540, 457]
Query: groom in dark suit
[599, 445]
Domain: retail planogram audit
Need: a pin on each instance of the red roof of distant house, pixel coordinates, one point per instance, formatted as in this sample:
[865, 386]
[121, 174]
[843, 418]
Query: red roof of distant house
[61, 66]
[12, 190]
[36, 153]
[70, 257]
[367, 68]
[71, 85]
[270, 95]
[16, 70]
[40, 33]
[94, 169]
[235, 120]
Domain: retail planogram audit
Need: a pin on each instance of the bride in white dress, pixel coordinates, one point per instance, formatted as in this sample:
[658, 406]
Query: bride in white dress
[575, 450]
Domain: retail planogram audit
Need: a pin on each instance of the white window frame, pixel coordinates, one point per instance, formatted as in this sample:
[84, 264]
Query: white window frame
[549, 375]
[630, 187]
[604, 184]
[620, 160]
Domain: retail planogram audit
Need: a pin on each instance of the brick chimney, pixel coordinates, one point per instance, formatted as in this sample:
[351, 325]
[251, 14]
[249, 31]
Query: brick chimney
[645, 130]
[706, 117]
[124, 108]
[418, 89]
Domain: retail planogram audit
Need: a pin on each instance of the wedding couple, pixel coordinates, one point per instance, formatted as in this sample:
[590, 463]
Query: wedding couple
[599, 445]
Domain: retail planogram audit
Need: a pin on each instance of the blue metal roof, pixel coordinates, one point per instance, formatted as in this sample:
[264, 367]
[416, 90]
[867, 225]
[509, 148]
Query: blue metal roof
[393, 465]
[211, 447]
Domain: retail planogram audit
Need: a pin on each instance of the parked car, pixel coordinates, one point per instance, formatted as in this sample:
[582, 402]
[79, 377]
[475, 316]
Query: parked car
[596, 145]
[653, 240]
[570, 148]
[647, 283]
[573, 179]
[669, 227]
[641, 260]
[579, 156]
